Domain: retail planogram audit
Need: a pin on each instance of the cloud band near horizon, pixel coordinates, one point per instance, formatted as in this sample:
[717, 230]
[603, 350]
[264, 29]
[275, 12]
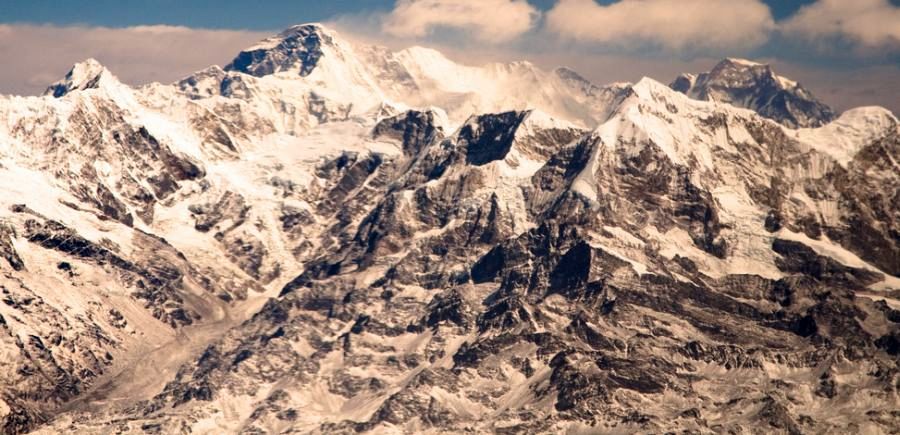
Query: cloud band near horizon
[569, 31]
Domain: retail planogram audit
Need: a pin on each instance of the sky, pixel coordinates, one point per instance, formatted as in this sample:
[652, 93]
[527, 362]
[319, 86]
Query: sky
[845, 51]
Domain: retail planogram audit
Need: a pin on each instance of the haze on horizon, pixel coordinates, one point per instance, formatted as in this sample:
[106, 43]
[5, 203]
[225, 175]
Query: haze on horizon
[847, 53]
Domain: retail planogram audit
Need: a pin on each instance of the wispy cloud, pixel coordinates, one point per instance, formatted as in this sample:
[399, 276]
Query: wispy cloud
[486, 20]
[37, 55]
[669, 24]
[612, 42]
[869, 23]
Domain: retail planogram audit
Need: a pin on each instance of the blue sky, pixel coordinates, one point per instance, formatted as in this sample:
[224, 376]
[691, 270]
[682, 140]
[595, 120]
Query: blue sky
[845, 51]
[231, 14]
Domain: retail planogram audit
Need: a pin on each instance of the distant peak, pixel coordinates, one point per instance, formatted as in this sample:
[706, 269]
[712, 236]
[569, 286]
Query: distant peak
[732, 65]
[744, 67]
[308, 31]
[89, 64]
[88, 74]
[650, 85]
[872, 115]
[684, 82]
[298, 47]
[741, 62]
[305, 28]
[753, 85]
[423, 54]
[650, 90]
[569, 73]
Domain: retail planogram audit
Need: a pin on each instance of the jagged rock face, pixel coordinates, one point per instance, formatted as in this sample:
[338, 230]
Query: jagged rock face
[414, 129]
[756, 87]
[298, 47]
[296, 262]
[490, 137]
[869, 194]
[554, 327]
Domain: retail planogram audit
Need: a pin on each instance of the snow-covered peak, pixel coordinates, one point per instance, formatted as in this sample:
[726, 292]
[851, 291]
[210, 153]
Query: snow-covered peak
[651, 91]
[297, 48]
[203, 83]
[684, 83]
[570, 74]
[731, 68]
[424, 56]
[854, 129]
[755, 86]
[429, 68]
[307, 28]
[872, 116]
[742, 62]
[88, 74]
[646, 87]
[739, 73]
[244, 207]
[307, 65]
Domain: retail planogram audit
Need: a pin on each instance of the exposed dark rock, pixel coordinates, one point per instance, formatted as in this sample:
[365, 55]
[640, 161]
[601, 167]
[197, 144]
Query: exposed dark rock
[778, 416]
[414, 129]
[890, 343]
[8, 251]
[447, 308]
[489, 266]
[230, 206]
[298, 47]
[799, 258]
[438, 291]
[756, 87]
[489, 137]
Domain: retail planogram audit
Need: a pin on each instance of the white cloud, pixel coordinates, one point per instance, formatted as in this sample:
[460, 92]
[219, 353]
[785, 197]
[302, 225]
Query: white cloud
[487, 20]
[669, 24]
[871, 23]
[37, 55]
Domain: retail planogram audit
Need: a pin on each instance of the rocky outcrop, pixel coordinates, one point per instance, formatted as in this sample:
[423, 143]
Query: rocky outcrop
[8, 251]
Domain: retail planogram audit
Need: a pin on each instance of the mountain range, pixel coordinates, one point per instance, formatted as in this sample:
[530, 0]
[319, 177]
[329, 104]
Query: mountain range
[326, 237]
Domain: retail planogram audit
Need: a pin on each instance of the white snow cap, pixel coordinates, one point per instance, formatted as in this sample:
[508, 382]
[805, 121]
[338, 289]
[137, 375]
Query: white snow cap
[88, 74]
[743, 62]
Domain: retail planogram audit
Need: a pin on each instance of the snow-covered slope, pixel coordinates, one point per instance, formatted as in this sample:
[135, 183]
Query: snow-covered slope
[854, 129]
[326, 237]
[361, 78]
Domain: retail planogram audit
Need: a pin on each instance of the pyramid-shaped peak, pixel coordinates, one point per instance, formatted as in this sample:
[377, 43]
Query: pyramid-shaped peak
[753, 85]
[87, 74]
[731, 67]
[736, 61]
[89, 65]
[298, 47]
[307, 29]
[651, 85]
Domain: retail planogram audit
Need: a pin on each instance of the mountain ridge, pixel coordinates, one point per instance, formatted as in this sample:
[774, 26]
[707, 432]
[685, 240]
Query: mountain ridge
[346, 239]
